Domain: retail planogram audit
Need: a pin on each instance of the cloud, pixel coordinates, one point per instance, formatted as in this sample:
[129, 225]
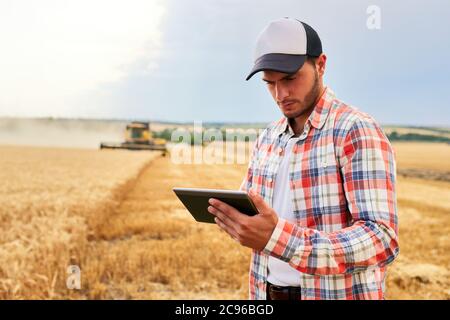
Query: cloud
[51, 51]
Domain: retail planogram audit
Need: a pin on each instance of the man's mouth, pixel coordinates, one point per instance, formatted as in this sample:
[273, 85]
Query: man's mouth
[287, 104]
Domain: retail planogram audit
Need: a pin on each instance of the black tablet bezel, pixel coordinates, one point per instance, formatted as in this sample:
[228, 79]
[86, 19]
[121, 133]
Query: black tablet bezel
[196, 201]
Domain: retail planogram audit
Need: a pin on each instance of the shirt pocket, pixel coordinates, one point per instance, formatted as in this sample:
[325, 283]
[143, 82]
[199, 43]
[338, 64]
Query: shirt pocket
[330, 192]
[264, 173]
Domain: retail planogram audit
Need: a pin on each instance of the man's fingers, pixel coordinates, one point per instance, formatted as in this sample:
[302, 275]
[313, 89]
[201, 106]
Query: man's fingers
[228, 210]
[224, 222]
[219, 214]
[258, 201]
[227, 229]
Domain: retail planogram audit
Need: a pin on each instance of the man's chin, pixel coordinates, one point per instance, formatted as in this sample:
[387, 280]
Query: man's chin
[291, 111]
[291, 114]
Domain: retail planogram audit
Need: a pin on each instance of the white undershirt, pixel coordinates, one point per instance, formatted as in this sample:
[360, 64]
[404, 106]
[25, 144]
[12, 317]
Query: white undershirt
[280, 272]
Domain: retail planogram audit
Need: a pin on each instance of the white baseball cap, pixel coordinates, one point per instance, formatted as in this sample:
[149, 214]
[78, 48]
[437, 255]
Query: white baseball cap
[284, 45]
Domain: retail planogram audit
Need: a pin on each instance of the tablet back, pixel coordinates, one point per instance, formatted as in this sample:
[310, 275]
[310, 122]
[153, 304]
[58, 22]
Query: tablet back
[196, 201]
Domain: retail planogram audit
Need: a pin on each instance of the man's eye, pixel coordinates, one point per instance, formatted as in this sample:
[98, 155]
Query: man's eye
[289, 79]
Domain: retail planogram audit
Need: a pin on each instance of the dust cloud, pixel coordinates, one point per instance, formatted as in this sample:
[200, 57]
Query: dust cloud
[67, 133]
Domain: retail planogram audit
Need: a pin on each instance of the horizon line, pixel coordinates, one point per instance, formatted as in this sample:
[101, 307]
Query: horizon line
[187, 122]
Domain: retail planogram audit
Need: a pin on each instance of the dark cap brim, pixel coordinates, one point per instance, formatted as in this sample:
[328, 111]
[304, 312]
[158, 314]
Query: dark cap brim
[279, 62]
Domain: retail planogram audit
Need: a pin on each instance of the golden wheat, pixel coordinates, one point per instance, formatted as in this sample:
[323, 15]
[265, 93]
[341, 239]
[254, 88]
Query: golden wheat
[50, 200]
[423, 155]
[118, 219]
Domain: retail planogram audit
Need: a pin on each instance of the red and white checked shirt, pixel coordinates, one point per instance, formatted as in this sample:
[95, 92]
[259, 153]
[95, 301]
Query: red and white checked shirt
[342, 181]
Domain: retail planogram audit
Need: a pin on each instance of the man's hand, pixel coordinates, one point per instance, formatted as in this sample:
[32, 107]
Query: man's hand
[250, 231]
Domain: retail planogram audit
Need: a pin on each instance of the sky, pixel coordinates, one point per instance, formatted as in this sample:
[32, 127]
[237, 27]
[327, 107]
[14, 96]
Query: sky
[186, 60]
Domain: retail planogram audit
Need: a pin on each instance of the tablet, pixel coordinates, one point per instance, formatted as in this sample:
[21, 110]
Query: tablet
[196, 201]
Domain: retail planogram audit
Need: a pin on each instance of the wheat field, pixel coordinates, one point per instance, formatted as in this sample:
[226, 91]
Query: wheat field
[113, 213]
[51, 201]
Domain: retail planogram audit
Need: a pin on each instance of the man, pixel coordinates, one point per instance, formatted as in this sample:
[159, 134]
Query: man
[322, 179]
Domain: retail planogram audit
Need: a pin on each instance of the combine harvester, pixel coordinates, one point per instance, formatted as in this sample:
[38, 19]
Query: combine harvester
[138, 137]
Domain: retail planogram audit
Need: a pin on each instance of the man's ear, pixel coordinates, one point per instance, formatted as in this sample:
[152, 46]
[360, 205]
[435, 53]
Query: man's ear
[321, 63]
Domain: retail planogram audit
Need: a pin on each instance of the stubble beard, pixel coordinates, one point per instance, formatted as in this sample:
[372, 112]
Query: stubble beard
[309, 101]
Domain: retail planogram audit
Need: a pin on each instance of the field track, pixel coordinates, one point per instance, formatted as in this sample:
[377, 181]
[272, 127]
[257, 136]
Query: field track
[151, 248]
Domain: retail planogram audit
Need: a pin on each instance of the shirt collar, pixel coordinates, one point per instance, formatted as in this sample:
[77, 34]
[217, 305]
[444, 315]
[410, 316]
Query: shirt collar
[317, 117]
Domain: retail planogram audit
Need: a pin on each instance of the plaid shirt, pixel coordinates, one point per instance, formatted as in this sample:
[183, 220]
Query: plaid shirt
[342, 180]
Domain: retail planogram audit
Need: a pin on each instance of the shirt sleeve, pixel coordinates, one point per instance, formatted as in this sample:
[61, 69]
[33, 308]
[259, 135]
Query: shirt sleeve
[368, 168]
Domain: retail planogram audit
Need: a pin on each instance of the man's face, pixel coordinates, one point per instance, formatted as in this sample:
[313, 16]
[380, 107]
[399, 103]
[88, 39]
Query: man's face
[297, 93]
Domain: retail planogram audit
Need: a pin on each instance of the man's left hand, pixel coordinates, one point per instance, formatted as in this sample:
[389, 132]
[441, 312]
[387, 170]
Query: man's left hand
[250, 231]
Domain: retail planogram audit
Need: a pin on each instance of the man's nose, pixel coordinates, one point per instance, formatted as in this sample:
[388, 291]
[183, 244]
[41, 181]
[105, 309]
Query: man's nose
[280, 92]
